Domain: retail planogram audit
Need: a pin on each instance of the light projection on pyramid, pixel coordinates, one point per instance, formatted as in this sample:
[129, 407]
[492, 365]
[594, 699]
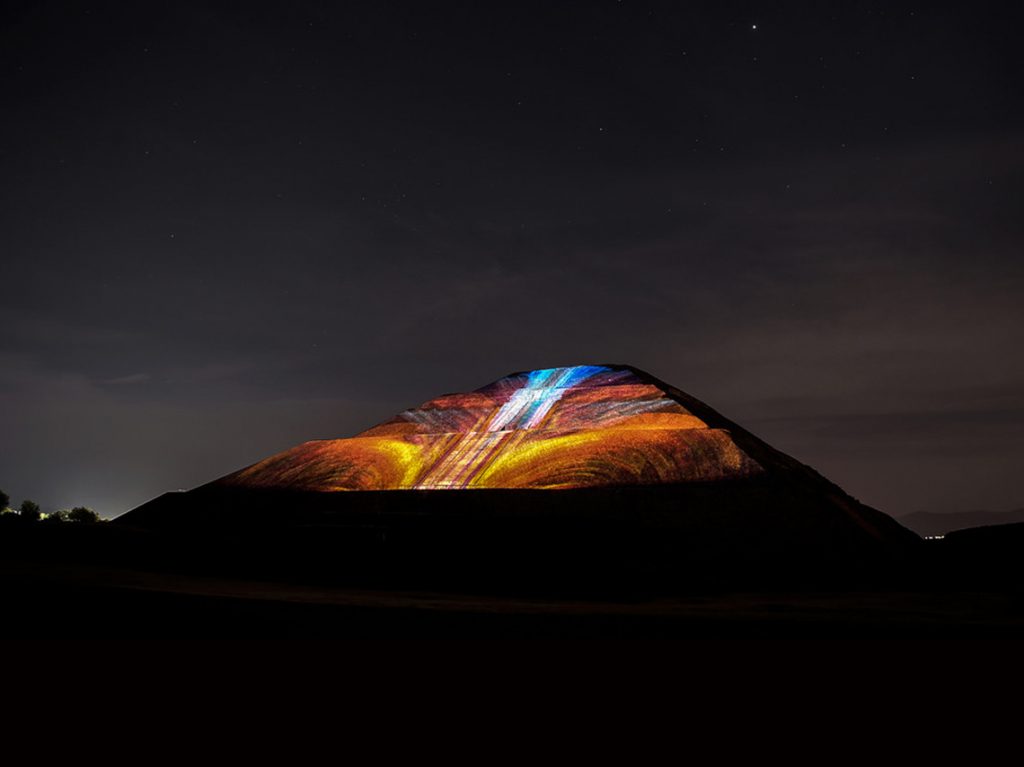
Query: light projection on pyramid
[567, 427]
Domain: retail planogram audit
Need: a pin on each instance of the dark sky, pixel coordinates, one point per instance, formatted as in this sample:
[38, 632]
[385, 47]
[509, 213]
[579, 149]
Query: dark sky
[230, 228]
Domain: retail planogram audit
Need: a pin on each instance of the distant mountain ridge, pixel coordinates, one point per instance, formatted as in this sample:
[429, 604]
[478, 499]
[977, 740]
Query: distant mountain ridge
[938, 523]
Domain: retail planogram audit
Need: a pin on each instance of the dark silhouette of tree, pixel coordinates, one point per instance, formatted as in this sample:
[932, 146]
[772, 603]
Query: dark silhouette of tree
[30, 511]
[83, 515]
[5, 500]
[57, 516]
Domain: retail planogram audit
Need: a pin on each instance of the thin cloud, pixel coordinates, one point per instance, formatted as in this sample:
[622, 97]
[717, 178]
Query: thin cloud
[128, 380]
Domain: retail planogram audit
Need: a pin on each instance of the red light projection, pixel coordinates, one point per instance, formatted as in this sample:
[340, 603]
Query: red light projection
[567, 427]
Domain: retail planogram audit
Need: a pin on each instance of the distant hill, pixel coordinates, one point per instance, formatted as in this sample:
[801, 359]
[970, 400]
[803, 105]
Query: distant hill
[939, 523]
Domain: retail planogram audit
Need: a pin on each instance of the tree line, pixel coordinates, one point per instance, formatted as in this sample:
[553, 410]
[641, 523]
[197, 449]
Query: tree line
[29, 511]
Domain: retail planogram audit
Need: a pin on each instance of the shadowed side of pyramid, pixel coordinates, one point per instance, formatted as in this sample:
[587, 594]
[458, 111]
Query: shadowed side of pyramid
[596, 461]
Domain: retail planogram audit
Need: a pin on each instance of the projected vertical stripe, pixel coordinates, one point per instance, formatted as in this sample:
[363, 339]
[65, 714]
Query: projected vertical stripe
[525, 409]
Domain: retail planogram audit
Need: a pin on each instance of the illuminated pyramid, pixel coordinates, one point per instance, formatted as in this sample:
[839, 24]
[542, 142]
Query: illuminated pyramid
[584, 472]
[568, 427]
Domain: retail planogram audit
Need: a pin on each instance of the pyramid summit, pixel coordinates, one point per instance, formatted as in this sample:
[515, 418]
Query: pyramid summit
[565, 427]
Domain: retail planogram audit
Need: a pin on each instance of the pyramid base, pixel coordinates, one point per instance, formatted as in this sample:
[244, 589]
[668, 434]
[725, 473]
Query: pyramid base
[752, 533]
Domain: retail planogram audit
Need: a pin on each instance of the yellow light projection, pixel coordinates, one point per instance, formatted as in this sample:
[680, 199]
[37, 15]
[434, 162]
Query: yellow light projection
[579, 426]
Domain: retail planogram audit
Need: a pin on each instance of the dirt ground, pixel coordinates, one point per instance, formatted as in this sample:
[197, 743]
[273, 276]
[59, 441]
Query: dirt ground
[48, 599]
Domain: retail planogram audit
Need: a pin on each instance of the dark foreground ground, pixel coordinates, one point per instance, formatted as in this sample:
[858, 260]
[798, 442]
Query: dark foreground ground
[104, 582]
[95, 603]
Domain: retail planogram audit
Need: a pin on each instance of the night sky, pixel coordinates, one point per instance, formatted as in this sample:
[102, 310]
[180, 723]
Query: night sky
[231, 228]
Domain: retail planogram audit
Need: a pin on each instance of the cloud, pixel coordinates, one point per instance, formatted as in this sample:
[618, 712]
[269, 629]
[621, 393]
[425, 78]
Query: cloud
[134, 378]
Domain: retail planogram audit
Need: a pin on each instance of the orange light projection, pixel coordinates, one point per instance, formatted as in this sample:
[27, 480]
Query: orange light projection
[567, 427]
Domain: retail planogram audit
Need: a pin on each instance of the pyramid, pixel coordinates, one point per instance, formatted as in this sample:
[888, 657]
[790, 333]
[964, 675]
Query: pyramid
[545, 474]
[556, 428]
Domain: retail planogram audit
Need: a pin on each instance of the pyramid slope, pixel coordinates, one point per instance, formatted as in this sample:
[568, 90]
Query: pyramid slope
[555, 428]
